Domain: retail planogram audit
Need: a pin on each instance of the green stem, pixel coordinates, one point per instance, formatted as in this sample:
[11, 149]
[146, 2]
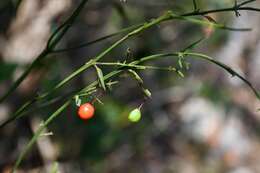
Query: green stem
[124, 30]
[52, 42]
[62, 29]
[225, 67]
[20, 113]
[24, 75]
[204, 57]
[201, 13]
[116, 72]
[91, 62]
[49, 45]
[139, 67]
[208, 23]
[38, 133]
[55, 114]
[167, 16]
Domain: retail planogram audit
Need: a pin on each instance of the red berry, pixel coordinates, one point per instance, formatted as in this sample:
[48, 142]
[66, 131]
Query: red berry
[86, 111]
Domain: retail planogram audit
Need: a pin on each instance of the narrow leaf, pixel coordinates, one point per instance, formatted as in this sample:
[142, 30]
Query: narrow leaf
[77, 100]
[136, 76]
[100, 77]
[180, 74]
[180, 62]
[147, 93]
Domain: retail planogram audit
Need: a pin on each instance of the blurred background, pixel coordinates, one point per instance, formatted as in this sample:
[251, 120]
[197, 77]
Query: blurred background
[206, 122]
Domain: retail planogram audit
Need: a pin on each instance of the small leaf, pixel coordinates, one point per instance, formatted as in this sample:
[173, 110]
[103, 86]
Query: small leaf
[110, 83]
[46, 134]
[147, 93]
[135, 115]
[180, 74]
[99, 101]
[170, 68]
[136, 76]
[77, 100]
[180, 62]
[100, 77]
[139, 67]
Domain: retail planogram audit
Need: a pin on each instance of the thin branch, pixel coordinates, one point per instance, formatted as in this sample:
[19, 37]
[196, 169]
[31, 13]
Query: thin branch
[138, 67]
[165, 17]
[116, 72]
[97, 40]
[52, 42]
[194, 13]
[195, 7]
[63, 28]
[145, 26]
[199, 13]
[38, 133]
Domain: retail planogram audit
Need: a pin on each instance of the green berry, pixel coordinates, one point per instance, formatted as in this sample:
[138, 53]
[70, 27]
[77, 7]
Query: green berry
[135, 115]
